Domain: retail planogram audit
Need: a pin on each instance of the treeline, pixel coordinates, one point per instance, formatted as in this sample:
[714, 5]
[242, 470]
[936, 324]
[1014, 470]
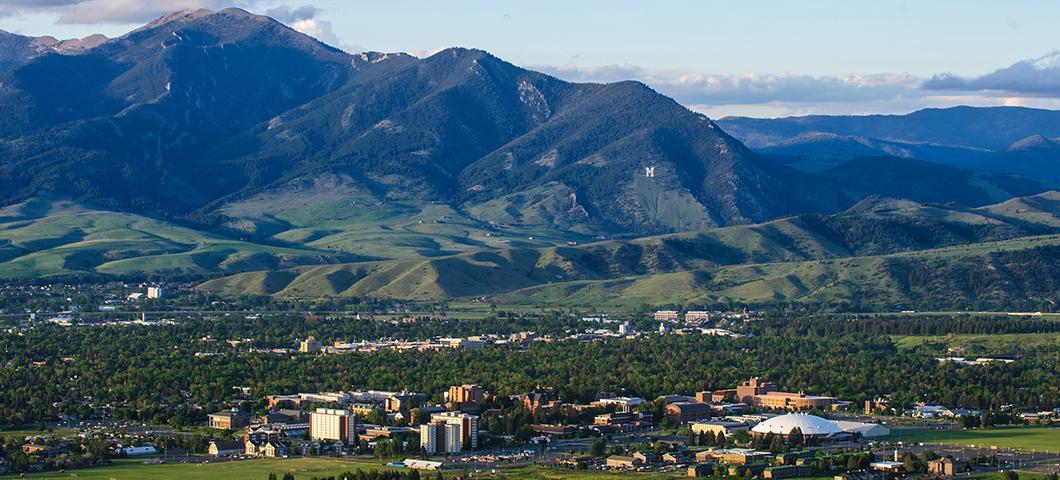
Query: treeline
[904, 325]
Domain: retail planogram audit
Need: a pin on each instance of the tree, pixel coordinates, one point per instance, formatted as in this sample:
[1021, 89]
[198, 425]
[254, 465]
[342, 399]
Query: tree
[777, 445]
[796, 438]
[524, 433]
[417, 416]
[598, 448]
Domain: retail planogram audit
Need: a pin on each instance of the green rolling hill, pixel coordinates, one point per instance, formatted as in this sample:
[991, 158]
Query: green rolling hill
[1017, 274]
[53, 238]
[874, 251]
[881, 252]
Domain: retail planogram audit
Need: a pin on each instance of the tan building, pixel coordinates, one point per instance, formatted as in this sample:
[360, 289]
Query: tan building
[683, 412]
[622, 461]
[792, 401]
[363, 409]
[440, 438]
[228, 419]
[465, 393]
[719, 426]
[666, 316]
[734, 456]
[265, 448]
[536, 400]
[404, 401]
[617, 418]
[696, 316]
[309, 345]
[226, 447]
[946, 467]
[788, 471]
[333, 425]
[466, 434]
[753, 387]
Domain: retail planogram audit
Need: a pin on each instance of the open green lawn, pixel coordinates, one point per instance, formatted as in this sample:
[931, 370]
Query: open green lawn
[303, 468]
[1029, 438]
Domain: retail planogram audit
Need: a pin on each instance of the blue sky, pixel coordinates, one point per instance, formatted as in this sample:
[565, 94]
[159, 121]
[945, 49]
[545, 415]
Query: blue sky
[761, 58]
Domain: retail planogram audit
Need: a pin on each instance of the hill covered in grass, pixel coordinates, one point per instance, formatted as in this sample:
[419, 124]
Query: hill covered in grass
[877, 251]
[56, 238]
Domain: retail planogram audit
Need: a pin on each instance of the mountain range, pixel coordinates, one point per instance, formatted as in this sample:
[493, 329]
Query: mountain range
[1012, 140]
[212, 143]
[199, 109]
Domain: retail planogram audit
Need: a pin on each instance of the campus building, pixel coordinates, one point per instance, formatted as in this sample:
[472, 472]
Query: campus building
[228, 419]
[333, 425]
[449, 432]
[792, 401]
[752, 388]
[465, 393]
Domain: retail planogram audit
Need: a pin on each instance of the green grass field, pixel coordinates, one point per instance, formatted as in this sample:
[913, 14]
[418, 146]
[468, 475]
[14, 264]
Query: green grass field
[980, 344]
[1028, 438]
[303, 468]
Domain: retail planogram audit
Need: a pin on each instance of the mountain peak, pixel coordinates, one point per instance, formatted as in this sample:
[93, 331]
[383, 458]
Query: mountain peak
[1033, 142]
[182, 15]
[878, 204]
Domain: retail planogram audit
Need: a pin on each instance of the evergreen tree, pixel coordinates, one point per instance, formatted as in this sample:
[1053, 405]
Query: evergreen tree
[796, 438]
[777, 445]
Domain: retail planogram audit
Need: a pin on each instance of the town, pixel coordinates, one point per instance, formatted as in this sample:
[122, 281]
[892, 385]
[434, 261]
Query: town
[754, 426]
[751, 429]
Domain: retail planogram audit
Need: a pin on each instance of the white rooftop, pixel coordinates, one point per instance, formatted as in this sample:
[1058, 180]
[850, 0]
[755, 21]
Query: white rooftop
[808, 424]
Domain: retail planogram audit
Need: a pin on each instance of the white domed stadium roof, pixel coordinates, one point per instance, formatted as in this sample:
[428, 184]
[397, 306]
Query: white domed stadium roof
[809, 424]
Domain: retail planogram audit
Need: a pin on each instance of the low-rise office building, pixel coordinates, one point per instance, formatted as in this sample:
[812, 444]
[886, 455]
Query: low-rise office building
[228, 419]
[792, 401]
[734, 456]
[719, 426]
[684, 412]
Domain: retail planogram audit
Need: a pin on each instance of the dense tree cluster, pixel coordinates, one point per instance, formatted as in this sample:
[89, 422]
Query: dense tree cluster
[170, 374]
[904, 325]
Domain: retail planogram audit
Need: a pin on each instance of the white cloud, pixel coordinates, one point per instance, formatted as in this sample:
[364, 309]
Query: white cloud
[769, 92]
[1033, 83]
[306, 19]
[109, 11]
[1039, 77]
[426, 53]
